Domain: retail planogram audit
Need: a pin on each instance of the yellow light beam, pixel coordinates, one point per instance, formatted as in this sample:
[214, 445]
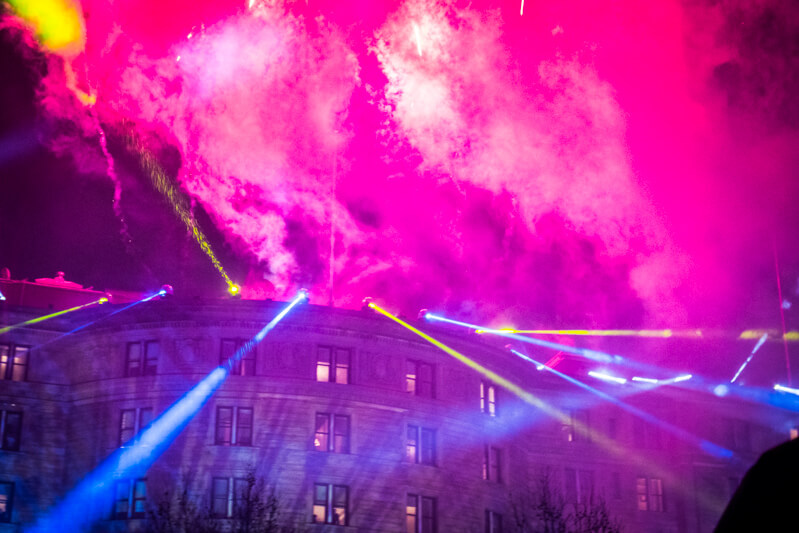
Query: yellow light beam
[51, 315]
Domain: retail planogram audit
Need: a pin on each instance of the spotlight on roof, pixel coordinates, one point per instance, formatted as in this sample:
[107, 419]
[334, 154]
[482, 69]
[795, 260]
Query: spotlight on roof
[607, 377]
[302, 294]
[789, 390]
[2, 296]
[234, 290]
[423, 314]
[102, 300]
[166, 290]
[366, 303]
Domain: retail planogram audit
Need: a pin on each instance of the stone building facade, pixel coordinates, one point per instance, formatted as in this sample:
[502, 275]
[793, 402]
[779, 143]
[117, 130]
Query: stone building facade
[355, 423]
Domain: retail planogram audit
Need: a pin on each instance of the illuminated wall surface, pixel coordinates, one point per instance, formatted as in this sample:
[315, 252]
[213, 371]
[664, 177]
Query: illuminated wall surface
[78, 405]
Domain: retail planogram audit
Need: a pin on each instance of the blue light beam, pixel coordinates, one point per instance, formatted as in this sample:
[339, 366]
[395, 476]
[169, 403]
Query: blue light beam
[751, 355]
[137, 455]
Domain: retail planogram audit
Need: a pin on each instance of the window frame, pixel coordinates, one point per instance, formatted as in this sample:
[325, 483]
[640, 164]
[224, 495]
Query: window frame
[333, 423]
[5, 517]
[493, 521]
[414, 384]
[10, 365]
[330, 504]
[492, 463]
[578, 428]
[422, 522]
[488, 398]
[243, 366]
[651, 498]
[130, 499]
[139, 424]
[423, 441]
[339, 361]
[146, 362]
[4, 433]
[228, 496]
[235, 427]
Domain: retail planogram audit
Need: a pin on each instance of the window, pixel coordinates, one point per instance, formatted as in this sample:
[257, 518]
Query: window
[336, 425]
[14, 362]
[10, 430]
[420, 445]
[233, 426]
[244, 365]
[333, 364]
[488, 398]
[492, 463]
[6, 501]
[331, 504]
[142, 358]
[646, 435]
[226, 493]
[579, 485]
[419, 379]
[420, 522]
[130, 497]
[133, 421]
[576, 427]
[649, 492]
[493, 522]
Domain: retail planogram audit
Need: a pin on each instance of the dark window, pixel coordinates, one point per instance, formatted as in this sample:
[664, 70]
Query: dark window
[241, 355]
[649, 493]
[493, 522]
[422, 520]
[14, 362]
[488, 398]
[130, 498]
[142, 358]
[133, 422]
[333, 364]
[575, 428]
[579, 485]
[420, 445]
[646, 435]
[419, 378]
[330, 504]
[10, 430]
[226, 496]
[6, 501]
[233, 426]
[338, 426]
[492, 463]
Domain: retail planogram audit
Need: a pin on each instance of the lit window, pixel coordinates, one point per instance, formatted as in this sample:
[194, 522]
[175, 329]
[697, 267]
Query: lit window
[130, 498]
[333, 364]
[330, 504]
[133, 422]
[420, 445]
[576, 427]
[142, 358]
[419, 379]
[420, 522]
[493, 522]
[14, 362]
[649, 492]
[6, 501]
[233, 426]
[488, 398]
[10, 430]
[492, 463]
[336, 425]
[244, 362]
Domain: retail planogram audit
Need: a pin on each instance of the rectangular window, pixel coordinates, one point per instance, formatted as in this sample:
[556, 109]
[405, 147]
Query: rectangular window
[226, 495]
[649, 493]
[14, 362]
[331, 504]
[488, 398]
[233, 426]
[493, 522]
[133, 422]
[420, 445]
[492, 463]
[336, 425]
[241, 356]
[419, 378]
[141, 358]
[130, 498]
[10, 430]
[6, 501]
[333, 364]
[576, 427]
[422, 520]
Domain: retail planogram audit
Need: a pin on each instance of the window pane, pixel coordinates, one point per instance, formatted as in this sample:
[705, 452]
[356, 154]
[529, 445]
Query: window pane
[411, 514]
[121, 499]
[411, 443]
[145, 418]
[425, 385]
[6, 497]
[219, 496]
[342, 374]
[410, 377]
[428, 515]
[492, 400]
[224, 425]
[5, 351]
[496, 464]
[151, 358]
[641, 491]
[340, 504]
[428, 446]
[322, 372]
[248, 363]
[13, 428]
[342, 434]
[570, 480]
[655, 495]
[127, 425]
[139, 498]
[20, 363]
[241, 488]
[482, 397]
[133, 359]
[244, 427]
[322, 433]
[320, 503]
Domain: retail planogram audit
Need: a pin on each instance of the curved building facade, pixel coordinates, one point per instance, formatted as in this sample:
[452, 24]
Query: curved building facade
[351, 421]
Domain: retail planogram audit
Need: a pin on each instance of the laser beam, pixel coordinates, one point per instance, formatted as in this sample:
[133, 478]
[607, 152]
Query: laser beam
[751, 355]
[136, 456]
[51, 315]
